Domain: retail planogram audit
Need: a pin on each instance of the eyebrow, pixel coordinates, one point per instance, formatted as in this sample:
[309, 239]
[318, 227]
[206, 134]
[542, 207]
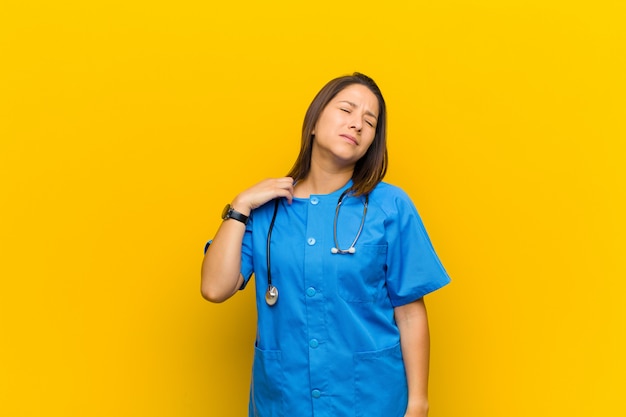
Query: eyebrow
[369, 113]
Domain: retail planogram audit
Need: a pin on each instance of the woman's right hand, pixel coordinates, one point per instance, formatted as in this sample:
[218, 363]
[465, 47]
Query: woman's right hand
[262, 192]
[221, 268]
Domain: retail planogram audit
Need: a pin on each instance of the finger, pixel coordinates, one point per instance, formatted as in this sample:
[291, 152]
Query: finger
[285, 181]
[291, 192]
[287, 193]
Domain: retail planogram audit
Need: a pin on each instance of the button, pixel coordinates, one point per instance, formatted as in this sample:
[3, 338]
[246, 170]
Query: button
[314, 343]
[316, 393]
[310, 291]
[311, 241]
[315, 201]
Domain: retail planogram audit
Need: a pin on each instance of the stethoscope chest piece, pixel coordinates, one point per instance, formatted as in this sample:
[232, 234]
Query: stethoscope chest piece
[271, 295]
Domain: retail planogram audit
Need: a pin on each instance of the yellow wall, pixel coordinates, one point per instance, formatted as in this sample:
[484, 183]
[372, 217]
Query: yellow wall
[125, 128]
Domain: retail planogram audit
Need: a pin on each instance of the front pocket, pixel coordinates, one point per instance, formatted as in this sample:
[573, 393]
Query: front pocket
[360, 276]
[380, 383]
[267, 384]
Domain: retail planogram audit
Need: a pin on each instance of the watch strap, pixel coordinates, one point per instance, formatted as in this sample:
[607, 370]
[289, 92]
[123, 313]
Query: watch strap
[230, 213]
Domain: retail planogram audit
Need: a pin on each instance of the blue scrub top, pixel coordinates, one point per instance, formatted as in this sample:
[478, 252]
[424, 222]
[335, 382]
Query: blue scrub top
[330, 346]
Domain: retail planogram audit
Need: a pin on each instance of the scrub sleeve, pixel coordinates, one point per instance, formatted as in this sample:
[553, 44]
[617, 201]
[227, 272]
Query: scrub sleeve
[413, 267]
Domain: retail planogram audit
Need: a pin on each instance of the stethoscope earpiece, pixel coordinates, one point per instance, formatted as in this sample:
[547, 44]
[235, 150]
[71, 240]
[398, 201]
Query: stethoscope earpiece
[350, 250]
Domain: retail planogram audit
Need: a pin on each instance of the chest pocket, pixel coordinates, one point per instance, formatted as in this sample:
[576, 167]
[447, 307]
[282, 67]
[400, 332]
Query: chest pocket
[360, 276]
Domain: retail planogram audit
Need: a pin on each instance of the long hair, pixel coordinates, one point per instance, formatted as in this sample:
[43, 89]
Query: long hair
[372, 167]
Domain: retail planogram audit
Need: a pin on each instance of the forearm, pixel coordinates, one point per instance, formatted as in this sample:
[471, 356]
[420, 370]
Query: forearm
[412, 322]
[221, 276]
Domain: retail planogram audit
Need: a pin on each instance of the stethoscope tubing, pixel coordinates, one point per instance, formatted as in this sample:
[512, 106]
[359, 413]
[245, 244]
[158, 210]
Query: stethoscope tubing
[271, 294]
[351, 250]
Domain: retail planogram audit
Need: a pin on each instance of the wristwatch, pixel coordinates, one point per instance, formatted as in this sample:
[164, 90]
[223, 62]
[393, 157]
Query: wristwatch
[230, 213]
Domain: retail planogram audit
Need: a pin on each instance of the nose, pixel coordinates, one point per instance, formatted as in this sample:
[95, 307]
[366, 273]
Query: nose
[356, 123]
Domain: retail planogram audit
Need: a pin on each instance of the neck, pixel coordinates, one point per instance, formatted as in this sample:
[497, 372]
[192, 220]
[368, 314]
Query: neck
[322, 181]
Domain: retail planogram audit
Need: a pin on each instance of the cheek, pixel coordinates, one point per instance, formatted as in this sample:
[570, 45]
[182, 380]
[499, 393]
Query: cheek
[324, 122]
[370, 139]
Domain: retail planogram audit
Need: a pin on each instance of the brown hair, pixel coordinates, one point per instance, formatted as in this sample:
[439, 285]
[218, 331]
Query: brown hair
[372, 167]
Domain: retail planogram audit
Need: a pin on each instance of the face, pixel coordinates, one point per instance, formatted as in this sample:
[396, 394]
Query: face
[347, 126]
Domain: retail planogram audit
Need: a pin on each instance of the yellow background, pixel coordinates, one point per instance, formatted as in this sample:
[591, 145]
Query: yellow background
[125, 126]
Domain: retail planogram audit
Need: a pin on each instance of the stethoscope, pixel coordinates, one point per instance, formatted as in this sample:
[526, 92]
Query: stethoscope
[271, 295]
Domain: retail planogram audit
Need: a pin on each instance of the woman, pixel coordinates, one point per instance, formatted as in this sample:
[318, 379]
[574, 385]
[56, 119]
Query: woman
[342, 262]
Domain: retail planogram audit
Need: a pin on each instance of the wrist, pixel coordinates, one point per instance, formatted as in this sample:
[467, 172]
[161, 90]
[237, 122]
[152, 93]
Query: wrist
[230, 212]
[241, 206]
[417, 407]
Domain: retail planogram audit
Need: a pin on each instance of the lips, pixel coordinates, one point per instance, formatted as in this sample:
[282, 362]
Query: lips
[350, 139]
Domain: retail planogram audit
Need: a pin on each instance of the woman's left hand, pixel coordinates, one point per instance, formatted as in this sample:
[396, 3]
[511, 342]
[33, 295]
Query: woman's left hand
[417, 409]
[416, 413]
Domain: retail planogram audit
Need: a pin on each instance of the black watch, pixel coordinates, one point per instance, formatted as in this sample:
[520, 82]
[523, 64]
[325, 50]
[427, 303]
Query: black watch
[230, 213]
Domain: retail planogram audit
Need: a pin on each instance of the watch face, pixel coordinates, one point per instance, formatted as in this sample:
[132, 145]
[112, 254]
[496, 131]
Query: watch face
[225, 212]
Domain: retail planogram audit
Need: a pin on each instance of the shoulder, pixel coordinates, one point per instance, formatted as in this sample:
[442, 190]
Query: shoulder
[389, 195]
[395, 206]
[392, 202]
[384, 188]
